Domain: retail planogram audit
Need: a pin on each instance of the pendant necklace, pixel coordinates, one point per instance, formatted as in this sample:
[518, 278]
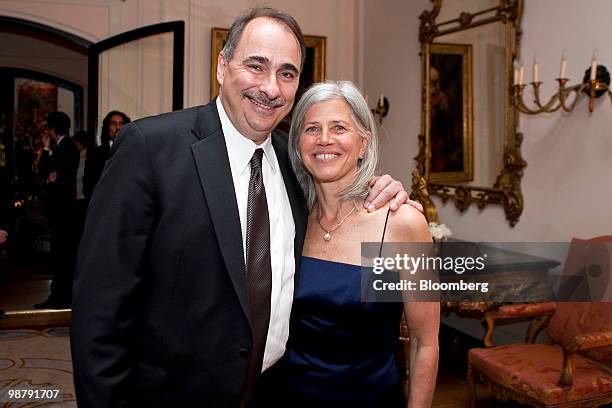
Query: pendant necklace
[327, 235]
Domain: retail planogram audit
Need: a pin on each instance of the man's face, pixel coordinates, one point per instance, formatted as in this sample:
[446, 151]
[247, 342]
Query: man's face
[116, 121]
[258, 85]
[48, 133]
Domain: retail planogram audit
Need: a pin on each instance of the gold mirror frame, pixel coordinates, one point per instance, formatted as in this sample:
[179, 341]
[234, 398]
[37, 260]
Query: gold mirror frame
[506, 191]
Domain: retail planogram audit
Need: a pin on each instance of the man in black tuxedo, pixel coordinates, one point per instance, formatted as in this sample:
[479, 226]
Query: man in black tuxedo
[164, 311]
[58, 169]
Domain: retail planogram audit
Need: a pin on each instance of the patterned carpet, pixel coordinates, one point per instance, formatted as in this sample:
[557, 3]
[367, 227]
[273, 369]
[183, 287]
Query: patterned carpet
[40, 360]
[36, 360]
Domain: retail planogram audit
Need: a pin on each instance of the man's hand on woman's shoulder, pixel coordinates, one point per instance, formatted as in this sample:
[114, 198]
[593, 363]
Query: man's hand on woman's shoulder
[384, 189]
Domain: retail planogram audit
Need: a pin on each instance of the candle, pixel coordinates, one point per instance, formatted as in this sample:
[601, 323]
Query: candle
[563, 67]
[381, 100]
[536, 71]
[521, 75]
[516, 82]
[593, 69]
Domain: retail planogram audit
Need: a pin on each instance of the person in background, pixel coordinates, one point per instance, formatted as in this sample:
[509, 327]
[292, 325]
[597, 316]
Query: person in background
[3, 238]
[4, 207]
[58, 169]
[111, 124]
[84, 143]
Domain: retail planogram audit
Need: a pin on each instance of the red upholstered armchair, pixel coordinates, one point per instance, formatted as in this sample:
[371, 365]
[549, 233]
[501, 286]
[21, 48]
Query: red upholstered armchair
[573, 368]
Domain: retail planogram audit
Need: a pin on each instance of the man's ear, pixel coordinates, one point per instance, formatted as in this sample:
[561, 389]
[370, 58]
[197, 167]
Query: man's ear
[221, 67]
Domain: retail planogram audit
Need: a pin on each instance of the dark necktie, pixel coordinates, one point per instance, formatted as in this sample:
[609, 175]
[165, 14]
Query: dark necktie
[258, 270]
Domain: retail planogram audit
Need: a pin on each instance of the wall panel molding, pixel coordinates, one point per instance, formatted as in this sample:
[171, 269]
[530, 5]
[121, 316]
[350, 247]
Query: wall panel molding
[67, 15]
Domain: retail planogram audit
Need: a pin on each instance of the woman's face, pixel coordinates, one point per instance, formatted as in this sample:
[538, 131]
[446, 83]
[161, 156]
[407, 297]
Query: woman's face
[330, 144]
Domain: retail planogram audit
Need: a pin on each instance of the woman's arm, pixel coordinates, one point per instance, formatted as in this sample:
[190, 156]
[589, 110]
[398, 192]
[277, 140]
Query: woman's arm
[423, 319]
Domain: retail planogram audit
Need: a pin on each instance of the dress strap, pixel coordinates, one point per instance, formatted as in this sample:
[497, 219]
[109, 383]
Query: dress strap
[382, 240]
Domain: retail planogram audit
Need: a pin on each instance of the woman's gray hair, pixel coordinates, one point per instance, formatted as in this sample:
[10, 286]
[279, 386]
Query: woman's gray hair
[366, 167]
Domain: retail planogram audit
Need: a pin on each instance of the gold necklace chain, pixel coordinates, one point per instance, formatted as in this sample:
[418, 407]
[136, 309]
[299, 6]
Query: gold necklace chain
[327, 235]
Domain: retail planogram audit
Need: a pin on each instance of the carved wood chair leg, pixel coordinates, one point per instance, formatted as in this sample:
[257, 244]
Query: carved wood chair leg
[488, 338]
[567, 375]
[471, 386]
[535, 327]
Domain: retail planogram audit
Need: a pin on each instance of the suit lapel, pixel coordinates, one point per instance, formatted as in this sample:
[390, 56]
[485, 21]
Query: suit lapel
[296, 196]
[212, 163]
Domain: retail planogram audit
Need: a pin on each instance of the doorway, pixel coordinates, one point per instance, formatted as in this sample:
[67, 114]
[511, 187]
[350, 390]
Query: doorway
[43, 69]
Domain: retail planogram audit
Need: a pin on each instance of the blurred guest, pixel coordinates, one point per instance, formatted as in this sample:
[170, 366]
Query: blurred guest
[4, 210]
[111, 124]
[3, 237]
[58, 168]
[83, 142]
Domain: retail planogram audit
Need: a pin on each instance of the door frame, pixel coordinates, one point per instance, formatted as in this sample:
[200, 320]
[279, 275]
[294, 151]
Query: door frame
[177, 28]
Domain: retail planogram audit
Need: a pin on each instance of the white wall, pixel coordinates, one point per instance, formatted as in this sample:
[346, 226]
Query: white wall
[567, 184]
[392, 67]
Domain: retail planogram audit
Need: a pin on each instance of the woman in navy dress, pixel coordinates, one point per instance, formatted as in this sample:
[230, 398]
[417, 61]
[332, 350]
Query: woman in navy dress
[341, 350]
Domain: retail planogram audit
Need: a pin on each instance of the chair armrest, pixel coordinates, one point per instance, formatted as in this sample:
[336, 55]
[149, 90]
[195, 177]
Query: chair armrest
[583, 341]
[586, 341]
[540, 312]
[525, 310]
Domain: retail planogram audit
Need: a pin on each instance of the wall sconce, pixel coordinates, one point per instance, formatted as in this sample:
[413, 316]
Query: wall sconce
[596, 83]
[382, 108]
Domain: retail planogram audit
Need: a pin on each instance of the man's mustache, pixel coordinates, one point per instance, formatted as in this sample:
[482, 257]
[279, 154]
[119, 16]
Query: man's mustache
[264, 100]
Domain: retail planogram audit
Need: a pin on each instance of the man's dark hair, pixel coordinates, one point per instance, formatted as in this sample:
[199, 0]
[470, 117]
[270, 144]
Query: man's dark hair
[82, 136]
[106, 124]
[59, 122]
[235, 32]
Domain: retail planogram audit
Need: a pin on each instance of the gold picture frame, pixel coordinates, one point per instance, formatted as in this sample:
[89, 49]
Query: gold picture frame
[450, 127]
[314, 64]
[505, 190]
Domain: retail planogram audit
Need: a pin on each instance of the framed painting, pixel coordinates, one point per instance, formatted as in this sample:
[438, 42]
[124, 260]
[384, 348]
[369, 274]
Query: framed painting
[314, 64]
[450, 113]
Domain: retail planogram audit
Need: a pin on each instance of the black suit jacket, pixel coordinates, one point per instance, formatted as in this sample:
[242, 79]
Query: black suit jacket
[160, 311]
[94, 164]
[60, 195]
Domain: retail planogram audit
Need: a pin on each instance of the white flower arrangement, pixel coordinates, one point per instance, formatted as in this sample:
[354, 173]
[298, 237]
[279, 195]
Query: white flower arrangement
[439, 232]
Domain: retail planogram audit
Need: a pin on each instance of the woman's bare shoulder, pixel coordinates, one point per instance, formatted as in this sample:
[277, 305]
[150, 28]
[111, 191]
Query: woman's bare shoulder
[407, 224]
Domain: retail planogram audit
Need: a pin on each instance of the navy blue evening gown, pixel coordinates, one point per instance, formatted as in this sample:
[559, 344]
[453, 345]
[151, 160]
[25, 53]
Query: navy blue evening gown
[340, 350]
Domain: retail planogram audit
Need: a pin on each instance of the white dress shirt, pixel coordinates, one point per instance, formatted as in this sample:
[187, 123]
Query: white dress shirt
[282, 228]
[59, 140]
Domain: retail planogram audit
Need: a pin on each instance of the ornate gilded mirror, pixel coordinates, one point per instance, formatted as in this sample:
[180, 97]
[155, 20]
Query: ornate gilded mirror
[469, 148]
